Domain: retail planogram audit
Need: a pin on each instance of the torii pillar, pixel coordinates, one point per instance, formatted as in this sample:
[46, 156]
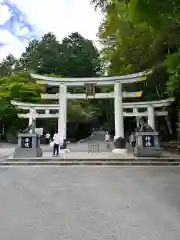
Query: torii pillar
[62, 110]
[118, 111]
[151, 117]
[119, 120]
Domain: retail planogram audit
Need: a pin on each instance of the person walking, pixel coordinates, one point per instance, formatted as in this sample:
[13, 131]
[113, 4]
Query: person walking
[57, 141]
[132, 140]
[47, 136]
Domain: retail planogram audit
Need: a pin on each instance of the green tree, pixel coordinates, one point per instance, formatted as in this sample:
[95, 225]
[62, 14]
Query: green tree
[8, 65]
[133, 43]
[19, 86]
[83, 58]
[173, 64]
[74, 57]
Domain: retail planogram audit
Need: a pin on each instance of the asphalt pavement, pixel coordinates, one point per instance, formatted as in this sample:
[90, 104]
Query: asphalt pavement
[6, 150]
[90, 203]
[96, 137]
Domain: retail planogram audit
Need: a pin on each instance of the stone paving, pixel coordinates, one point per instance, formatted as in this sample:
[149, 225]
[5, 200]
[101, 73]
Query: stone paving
[99, 155]
[6, 150]
[89, 203]
[84, 155]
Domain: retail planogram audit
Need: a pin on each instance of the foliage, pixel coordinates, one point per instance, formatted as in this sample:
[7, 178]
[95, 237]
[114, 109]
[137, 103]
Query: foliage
[79, 110]
[173, 64]
[165, 22]
[139, 35]
[7, 65]
[74, 57]
[155, 12]
[101, 4]
[83, 59]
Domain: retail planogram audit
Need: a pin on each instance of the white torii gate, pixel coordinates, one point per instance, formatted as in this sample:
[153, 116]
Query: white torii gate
[63, 95]
[117, 95]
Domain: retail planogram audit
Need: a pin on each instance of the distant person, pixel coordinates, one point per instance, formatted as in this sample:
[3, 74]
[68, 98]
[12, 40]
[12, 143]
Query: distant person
[62, 142]
[132, 139]
[47, 136]
[57, 141]
[107, 139]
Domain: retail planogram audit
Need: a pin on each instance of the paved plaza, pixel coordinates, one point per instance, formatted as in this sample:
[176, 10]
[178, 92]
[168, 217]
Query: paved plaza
[6, 150]
[90, 203]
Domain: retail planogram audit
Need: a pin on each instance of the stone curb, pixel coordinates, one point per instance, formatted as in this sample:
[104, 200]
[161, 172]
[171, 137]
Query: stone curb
[91, 163]
[94, 159]
[96, 162]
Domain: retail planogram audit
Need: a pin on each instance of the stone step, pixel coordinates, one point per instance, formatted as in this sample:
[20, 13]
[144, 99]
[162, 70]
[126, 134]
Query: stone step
[94, 159]
[91, 163]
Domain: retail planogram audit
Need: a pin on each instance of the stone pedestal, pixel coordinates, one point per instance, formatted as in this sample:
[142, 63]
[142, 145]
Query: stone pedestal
[147, 144]
[119, 146]
[28, 146]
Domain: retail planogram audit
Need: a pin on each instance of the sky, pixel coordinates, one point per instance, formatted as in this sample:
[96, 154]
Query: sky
[24, 20]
